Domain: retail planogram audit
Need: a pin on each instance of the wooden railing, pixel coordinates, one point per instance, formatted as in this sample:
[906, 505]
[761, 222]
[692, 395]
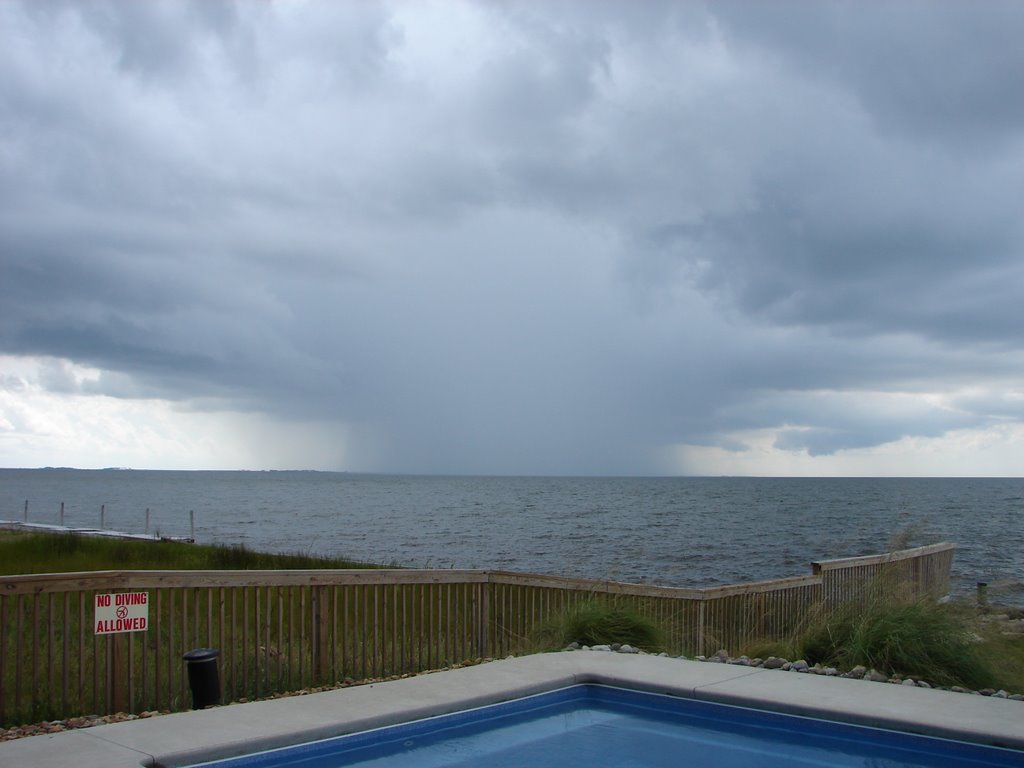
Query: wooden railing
[914, 572]
[290, 630]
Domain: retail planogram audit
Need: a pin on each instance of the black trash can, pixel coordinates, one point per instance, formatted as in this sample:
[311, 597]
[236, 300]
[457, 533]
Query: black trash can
[203, 679]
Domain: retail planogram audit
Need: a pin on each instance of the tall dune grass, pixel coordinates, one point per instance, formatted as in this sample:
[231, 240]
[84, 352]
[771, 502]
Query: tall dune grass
[921, 639]
[944, 643]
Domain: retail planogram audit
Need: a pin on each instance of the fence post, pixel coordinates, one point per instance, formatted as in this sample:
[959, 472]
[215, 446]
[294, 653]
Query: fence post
[116, 676]
[321, 637]
[816, 570]
[700, 626]
[485, 617]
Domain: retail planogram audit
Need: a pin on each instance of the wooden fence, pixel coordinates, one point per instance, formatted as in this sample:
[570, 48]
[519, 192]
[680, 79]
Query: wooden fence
[913, 572]
[288, 630]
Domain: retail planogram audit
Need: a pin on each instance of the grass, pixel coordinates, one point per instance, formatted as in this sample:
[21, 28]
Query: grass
[22, 553]
[1006, 655]
[599, 623]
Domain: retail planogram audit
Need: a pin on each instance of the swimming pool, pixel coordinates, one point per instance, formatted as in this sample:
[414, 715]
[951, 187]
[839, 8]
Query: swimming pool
[598, 725]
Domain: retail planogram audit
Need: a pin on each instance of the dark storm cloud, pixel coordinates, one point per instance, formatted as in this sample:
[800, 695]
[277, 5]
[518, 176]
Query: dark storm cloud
[522, 237]
[938, 71]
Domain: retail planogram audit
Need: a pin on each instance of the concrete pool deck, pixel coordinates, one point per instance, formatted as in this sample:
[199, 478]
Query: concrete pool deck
[190, 737]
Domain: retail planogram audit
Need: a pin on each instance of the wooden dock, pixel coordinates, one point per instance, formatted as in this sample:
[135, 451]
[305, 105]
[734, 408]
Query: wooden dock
[17, 525]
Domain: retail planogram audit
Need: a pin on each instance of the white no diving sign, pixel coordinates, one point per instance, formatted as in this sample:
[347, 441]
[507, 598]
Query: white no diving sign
[121, 612]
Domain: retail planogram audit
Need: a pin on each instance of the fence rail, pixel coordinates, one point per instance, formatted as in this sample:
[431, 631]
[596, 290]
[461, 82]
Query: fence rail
[289, 630]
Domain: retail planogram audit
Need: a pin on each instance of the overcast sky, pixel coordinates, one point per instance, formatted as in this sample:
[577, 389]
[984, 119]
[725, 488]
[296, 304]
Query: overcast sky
[778, 238]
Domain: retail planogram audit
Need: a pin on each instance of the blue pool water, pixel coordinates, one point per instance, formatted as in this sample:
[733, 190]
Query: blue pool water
[587, 726]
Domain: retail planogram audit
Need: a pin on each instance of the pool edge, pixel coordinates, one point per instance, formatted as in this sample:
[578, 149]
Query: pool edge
[236, 729]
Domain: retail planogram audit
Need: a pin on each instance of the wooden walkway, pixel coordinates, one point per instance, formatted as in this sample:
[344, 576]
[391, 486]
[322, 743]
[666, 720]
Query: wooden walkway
[17, 525]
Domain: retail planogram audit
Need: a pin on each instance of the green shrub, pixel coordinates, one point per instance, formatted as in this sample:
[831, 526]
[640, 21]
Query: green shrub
[600, 623]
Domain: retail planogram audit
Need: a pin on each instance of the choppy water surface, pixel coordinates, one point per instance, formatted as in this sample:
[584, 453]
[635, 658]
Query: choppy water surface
[675, 531]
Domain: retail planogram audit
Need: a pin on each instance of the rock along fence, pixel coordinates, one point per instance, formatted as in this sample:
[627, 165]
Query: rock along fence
[287, 630]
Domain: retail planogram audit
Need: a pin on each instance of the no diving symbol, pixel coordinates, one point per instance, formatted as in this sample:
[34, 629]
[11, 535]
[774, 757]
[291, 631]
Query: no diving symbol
[122, 611]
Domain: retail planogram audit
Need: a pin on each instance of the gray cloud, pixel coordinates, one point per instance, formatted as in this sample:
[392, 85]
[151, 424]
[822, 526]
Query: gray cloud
[521, 238]
[924, 71]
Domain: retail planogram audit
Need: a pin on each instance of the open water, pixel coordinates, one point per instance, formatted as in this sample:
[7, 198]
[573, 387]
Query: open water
[689, 532]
